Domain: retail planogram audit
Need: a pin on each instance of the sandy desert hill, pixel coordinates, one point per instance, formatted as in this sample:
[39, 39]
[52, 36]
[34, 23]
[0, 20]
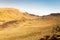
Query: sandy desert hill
[17, 25]
[8, 14]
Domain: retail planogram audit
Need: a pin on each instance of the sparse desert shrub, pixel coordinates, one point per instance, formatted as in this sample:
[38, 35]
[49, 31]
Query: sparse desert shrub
[42, 39]
[56, 29]
[54, 37]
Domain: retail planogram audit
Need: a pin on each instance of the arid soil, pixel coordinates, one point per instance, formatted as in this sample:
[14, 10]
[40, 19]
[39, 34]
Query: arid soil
[17, 25]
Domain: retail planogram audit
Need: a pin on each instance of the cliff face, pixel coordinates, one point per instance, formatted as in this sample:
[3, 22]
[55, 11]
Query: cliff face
[16, 25]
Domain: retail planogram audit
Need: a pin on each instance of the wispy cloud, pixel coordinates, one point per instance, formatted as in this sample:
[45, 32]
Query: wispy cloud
[38, 7]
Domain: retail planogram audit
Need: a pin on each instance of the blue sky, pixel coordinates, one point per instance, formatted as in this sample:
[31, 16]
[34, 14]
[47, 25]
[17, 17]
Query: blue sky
[38, 7]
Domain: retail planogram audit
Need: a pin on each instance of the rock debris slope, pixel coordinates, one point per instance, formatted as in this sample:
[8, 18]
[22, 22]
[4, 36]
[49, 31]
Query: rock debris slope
[16, 25]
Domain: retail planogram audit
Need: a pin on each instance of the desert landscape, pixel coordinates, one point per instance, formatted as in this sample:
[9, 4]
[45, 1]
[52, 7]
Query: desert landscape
[18, 25]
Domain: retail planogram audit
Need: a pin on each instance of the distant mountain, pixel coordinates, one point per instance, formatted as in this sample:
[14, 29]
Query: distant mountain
[16, 25]
[55, 14]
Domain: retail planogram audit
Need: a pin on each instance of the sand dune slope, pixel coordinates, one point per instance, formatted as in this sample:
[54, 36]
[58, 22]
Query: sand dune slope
[15, 25]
